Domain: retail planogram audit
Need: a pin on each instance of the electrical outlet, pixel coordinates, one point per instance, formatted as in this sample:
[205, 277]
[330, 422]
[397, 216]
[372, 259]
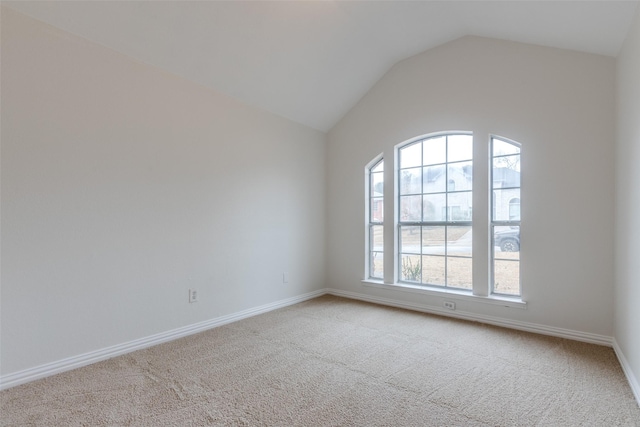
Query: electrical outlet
[450, 305]
[193, 295]
[285, 277]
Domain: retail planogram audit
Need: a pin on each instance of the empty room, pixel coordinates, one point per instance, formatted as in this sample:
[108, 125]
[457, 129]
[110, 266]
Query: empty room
[331, 213]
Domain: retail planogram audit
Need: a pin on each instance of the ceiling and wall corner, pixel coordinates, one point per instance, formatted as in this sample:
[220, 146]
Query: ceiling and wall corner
[312, 61]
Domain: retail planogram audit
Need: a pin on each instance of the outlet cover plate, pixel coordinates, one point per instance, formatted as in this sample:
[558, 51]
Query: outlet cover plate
[193, 295]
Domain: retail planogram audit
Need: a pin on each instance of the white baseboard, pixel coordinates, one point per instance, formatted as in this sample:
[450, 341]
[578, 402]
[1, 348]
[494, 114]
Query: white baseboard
[42, 371]
[497, 321]
[633, 381]
[46, 370]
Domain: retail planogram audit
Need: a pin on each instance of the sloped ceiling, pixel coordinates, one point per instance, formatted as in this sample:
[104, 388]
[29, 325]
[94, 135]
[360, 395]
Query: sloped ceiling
[312, 61]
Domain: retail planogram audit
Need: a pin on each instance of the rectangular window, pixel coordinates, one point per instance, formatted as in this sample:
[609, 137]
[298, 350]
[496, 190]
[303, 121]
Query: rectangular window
[505, 217]
[435, 181]
[376, 219]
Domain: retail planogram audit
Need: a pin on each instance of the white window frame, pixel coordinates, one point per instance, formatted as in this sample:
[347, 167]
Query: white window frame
[482, 216]
[371, 223]
[423, 223]
[511, 223]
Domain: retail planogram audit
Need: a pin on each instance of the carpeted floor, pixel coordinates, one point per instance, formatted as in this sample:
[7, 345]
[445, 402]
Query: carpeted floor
[336, 362]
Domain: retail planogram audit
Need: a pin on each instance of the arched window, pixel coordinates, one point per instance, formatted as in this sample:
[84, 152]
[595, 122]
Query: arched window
[505, 217]
[434, 213]
[433, 221]
[375, 237]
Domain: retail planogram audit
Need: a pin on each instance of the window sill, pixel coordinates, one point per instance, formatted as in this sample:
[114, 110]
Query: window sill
[503, 301]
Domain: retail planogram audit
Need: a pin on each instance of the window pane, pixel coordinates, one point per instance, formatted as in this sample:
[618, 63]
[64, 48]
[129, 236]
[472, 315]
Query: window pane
[377, 265]
[377, 238]
[514, 209]
[377, 184]
[410, 268]
[411, 155]
[434, 150]
[459, 273]
[435, 207]
[502, 148]
[506, 277]
[377, 209]
[459, 241]
[433, 271]
[502, 199]
[506, 172]
[433, 239]
[460, 206]
[410, 239]
[410, 208]
[410, 181]
[511, 162]
[506, 242]
[434, 179]
[379, 167]
[460, 148]
[462, 174]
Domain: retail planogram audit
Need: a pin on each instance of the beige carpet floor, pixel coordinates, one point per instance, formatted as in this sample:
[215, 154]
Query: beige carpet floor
[336, 362]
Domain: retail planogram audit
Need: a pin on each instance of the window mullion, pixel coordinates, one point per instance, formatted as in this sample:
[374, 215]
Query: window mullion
[390, 234]
[422, 169]
[446, 213]
[481, 213]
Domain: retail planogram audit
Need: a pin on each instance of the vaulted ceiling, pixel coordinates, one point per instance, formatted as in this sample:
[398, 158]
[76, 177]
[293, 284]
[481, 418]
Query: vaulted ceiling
[311, 61]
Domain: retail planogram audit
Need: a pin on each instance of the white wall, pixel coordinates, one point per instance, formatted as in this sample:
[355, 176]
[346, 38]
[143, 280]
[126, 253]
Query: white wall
[124, 186]
[560, 105]
[627, 249]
